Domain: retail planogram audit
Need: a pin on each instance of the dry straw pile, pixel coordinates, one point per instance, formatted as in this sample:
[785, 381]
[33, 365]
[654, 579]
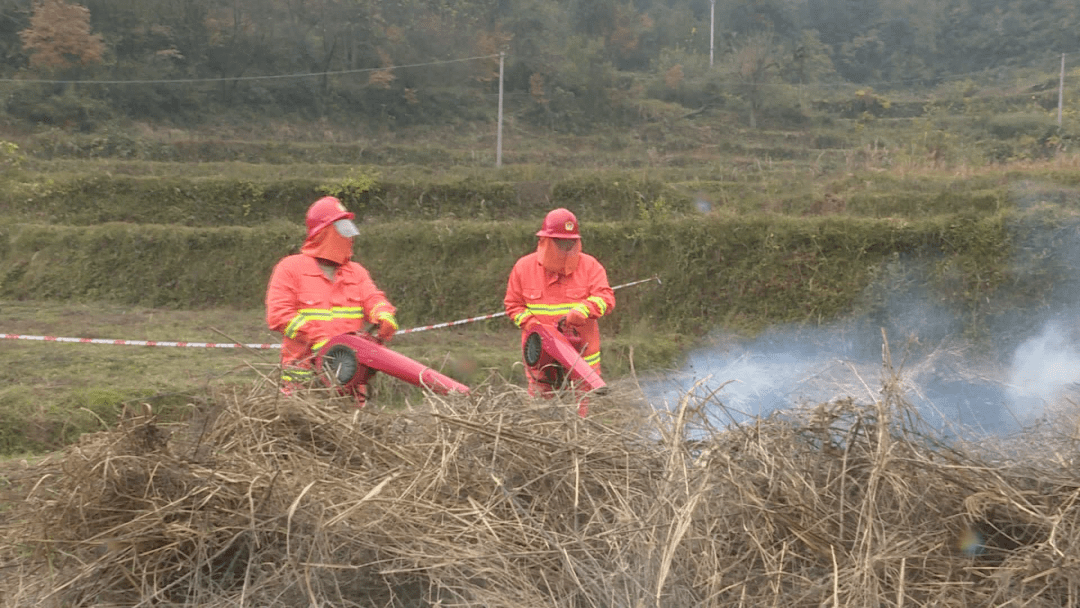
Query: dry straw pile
[498, 500]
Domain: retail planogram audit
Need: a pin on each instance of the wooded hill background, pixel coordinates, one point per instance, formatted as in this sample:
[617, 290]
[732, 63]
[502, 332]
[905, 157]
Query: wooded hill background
[570, 65]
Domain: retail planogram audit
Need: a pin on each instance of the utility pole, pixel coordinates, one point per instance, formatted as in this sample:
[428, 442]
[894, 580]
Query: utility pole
[1061, 89]
[498, 131]
[712, 29]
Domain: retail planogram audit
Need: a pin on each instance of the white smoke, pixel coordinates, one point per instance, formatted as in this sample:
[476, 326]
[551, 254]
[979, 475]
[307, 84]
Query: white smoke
[947, 381]
[1045, 368]
[996, 384]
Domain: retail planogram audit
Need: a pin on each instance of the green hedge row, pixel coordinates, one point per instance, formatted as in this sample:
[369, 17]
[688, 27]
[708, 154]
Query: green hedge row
[609, 196]
[715, 271]
[117, 145]
[230, 202]
[65, 145]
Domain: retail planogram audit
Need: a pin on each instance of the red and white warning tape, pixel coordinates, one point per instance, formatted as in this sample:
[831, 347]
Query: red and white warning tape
[137, 342]
[411, 330]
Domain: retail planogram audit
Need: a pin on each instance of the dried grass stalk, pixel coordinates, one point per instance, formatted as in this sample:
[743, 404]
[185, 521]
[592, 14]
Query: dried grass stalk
[501, 500]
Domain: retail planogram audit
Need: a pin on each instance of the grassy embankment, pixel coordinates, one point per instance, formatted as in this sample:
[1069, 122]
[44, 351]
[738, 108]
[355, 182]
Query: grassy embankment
[140, 241]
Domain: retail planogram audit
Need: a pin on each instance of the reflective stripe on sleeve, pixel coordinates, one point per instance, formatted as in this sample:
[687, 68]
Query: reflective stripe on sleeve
[593, 359]
[601, 305]
[378, 309]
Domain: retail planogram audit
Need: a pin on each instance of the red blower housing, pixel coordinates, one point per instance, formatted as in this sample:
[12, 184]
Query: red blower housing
[352, 359]
[558, 359]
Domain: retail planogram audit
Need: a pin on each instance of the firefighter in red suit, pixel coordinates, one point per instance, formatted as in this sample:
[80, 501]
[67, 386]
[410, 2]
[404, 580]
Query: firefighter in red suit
[320, 293]
[559, 282]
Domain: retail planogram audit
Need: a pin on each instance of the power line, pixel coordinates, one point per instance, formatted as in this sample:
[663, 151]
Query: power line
[250, 78]
[902, 82]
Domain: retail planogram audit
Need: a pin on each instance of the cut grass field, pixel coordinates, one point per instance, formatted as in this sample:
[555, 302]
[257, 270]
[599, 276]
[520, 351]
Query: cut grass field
[55, 391]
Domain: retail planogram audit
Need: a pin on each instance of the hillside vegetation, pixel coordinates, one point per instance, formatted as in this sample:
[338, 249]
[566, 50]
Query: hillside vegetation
[767, 229]
[775, 187]
[564, 65]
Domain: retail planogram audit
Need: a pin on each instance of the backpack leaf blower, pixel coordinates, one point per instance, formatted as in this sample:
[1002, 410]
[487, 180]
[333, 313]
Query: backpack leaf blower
[556, 358]
[352, 359]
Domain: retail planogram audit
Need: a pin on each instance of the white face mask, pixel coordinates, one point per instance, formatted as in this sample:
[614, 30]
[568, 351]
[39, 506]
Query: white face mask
[346, 228]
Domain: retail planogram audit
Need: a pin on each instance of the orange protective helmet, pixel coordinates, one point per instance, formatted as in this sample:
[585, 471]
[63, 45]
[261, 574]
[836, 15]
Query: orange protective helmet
[324, 212]
[560, 224]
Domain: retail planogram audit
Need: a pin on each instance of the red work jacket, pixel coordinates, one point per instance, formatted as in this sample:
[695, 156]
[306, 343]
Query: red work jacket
[309, 309]
[549, 296]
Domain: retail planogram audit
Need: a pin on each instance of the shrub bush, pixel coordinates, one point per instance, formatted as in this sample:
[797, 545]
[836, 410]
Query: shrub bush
[745, 272]
[1016, 124]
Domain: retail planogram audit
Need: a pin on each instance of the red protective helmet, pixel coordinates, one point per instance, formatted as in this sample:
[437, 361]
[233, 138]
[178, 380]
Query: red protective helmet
[324, 212]
[560, 224]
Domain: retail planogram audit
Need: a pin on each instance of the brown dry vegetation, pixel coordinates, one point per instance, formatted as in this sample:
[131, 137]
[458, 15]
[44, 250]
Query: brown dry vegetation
[500, 500]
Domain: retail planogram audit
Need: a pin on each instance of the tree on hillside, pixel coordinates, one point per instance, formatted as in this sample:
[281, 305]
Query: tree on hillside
[13, 18]
[628, 44]
[863, 58]
[59, 36]
[776, 16]
[810, 61]
[839, 21]
[533, 25]
[753, 65]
